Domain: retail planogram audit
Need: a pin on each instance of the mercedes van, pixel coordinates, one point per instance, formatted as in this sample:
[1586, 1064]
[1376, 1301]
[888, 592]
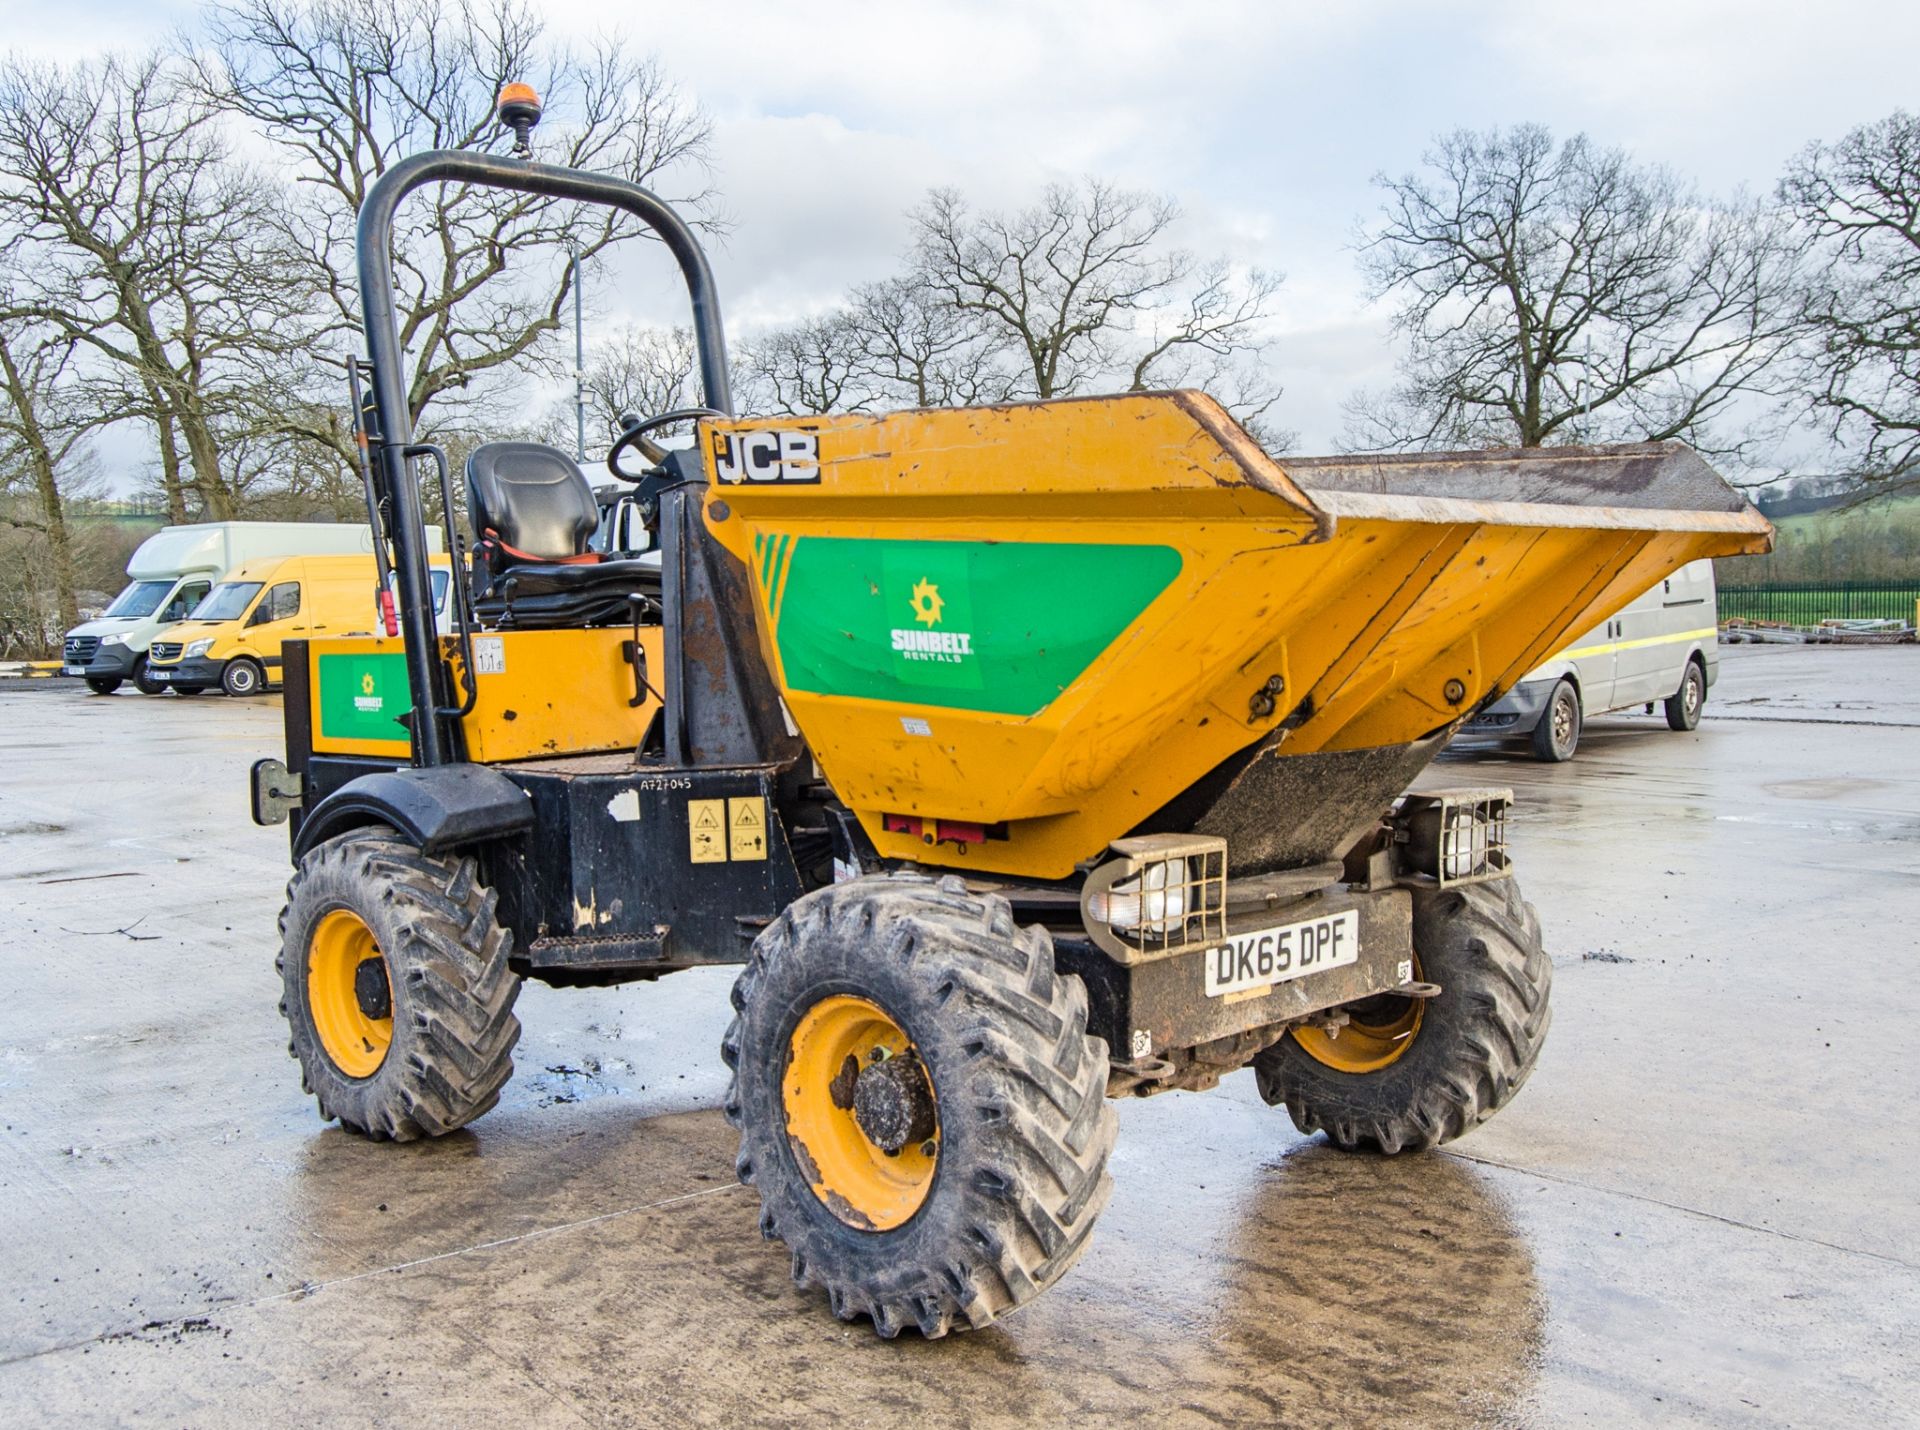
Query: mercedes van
[169, 575]
[1663, 650]
[233, 638]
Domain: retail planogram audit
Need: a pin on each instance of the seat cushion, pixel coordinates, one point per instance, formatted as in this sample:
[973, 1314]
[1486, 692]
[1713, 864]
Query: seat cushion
[532, 498]
[547, 597]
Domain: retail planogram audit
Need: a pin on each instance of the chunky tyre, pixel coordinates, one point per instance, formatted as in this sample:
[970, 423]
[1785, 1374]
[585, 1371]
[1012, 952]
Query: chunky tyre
[146, 683]
[396, 987]
[1407, 1074]
[920, 1107]
[242, 676]
[1686, 703]
[104, 684]
[1557, 735]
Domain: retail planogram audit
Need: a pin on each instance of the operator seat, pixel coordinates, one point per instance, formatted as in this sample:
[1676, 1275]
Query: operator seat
[534, 514]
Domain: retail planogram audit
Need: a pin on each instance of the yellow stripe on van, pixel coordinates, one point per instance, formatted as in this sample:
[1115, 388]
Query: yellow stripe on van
[1615, 646]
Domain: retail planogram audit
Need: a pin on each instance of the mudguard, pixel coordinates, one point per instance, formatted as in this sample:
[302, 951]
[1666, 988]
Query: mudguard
[445, 807]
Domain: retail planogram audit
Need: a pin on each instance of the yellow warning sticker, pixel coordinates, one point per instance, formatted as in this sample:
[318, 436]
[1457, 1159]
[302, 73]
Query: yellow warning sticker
[707, 831]
[747, 827]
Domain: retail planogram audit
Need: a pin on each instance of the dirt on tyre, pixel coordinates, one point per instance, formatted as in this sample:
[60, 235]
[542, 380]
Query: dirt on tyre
[1408, 1074]
[1685, 704]
[920, 1106]
[396, 986]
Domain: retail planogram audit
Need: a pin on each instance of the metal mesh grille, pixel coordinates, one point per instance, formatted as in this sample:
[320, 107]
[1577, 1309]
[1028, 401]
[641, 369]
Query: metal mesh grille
[1473, 840]
[1164, 895]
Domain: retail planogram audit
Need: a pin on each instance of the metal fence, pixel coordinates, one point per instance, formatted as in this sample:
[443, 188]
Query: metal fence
[1809, 603]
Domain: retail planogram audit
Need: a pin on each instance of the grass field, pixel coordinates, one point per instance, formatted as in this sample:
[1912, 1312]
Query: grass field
[1878, 543]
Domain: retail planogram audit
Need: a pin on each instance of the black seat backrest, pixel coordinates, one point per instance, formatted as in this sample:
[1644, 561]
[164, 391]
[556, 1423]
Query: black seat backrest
[533, 497]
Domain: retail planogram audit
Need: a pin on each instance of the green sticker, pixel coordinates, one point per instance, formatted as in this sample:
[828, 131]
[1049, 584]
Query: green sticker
[362, 697]
[964, 625]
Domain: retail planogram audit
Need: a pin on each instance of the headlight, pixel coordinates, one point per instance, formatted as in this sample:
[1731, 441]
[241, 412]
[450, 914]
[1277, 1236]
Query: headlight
[1145, 899]
[113, 640]
[197, 648]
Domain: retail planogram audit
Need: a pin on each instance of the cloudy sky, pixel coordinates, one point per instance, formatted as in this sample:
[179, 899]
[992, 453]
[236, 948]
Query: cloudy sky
[1265, 120]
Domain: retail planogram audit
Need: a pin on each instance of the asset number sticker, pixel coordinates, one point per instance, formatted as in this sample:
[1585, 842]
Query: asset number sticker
[489, 655]
[1279, 955]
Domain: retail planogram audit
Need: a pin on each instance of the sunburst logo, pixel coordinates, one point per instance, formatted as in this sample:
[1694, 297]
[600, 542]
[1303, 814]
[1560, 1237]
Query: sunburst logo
[366, 683]
[927, 604]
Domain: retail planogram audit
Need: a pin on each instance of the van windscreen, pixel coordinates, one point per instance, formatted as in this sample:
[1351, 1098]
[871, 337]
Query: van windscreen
[142, 598]
[226, 601]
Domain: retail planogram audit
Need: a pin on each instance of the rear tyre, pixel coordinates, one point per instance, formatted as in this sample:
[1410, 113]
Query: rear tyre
[1557, 735]
[1399, 1077]
[147, 684]
[243, 676]
[187, 689]
[396, 987]
[103, 684]
[920, 1106]
[1686, 703]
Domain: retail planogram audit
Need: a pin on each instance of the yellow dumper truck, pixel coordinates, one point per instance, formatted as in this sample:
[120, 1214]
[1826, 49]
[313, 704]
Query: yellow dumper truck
[1026, 756]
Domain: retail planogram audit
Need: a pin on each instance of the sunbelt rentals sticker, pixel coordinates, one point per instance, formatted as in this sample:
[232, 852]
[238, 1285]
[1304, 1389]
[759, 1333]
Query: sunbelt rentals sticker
[928, 593]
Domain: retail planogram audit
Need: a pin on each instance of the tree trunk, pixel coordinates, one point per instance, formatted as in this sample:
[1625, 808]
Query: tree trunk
[169, 464]
[46, 483]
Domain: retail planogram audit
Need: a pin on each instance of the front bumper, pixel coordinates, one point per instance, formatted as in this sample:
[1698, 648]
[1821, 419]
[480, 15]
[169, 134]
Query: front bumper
[1515, 713]
[199, 672]
[109, 662]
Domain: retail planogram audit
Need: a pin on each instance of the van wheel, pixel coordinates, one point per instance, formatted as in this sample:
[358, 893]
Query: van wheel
[1557, 735]
[243, 677]
[146, 683]
[103, 685]
[1685, 704]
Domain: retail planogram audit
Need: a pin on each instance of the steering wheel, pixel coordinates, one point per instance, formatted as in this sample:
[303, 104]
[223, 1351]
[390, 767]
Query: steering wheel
[633, 433]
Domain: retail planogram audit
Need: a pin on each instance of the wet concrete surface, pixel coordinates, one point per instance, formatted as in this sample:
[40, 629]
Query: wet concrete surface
[1699, 1210]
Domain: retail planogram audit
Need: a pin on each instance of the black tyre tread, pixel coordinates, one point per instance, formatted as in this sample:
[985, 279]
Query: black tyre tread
[458, 995]
[259, 676]
[1041, 1085]
[1482, 944]
[1541, 737]
[1675, 705]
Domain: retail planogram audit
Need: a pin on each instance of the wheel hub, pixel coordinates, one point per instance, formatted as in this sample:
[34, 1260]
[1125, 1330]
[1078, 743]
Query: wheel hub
[893, 1103]
[348, 994]
[370, 988]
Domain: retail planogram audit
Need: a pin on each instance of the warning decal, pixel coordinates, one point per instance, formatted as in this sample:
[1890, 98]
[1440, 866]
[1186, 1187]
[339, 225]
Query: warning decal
[707, 831]
[747, 827]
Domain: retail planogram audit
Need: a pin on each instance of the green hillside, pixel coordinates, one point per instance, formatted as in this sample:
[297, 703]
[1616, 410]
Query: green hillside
[1879, 541]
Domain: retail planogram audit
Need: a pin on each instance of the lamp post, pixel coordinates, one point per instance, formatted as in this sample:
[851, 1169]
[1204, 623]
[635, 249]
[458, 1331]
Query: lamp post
[579, 363]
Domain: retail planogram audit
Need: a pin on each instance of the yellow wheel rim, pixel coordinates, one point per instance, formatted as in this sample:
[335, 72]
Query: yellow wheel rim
[339, 994]
[1367, 1044]
[857, 1180]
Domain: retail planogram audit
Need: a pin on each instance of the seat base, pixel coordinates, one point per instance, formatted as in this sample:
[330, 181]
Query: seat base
[549, 597]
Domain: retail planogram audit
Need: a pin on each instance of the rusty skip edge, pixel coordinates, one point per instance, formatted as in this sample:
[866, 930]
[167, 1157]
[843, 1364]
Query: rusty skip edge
[1437, 510]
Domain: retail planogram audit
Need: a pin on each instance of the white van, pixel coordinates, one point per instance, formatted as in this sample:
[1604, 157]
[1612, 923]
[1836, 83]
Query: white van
[1661, 650]
[170, 574]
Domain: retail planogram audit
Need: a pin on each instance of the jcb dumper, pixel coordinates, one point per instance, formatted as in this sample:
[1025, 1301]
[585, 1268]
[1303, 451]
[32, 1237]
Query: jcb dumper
[1026, 756]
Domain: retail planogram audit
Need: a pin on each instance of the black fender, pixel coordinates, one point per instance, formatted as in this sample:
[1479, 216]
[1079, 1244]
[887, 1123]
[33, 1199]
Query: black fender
[435, 809]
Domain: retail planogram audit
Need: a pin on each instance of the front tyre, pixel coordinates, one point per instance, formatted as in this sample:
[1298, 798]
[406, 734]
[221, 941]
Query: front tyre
[1557, 735]
[1686, 703]
[920, 1106]
[1407, 1073]
[146, 684]
[396, 987]
[243, 676]
[103, 684]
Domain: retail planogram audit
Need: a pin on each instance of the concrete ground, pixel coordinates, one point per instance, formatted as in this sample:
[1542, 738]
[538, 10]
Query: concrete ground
[1701, 1209]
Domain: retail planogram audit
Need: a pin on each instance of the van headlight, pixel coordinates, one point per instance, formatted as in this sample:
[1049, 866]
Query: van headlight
[197, 648]
[113, 640]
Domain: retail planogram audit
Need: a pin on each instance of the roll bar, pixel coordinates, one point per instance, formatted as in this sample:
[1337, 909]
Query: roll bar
[373, 244]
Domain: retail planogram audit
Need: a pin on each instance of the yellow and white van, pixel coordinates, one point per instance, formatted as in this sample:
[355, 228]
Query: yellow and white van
[234, 635]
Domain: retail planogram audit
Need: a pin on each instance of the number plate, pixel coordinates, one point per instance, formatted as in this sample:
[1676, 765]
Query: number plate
[75, 670]
[1279, 955]
[153, 674]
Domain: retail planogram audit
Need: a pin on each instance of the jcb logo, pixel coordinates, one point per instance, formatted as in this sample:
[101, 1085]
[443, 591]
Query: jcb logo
[787, 457]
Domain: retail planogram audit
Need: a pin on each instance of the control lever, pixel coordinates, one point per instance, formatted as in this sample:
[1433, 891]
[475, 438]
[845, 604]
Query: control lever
[636, 656]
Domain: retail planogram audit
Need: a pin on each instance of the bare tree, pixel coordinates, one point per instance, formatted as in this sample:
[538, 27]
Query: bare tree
[1086, 288]
[814, 365]
[154, 252]
[917, 349]
[1559, 292]
[1859, 200]
[346, 88]
[40, 436]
